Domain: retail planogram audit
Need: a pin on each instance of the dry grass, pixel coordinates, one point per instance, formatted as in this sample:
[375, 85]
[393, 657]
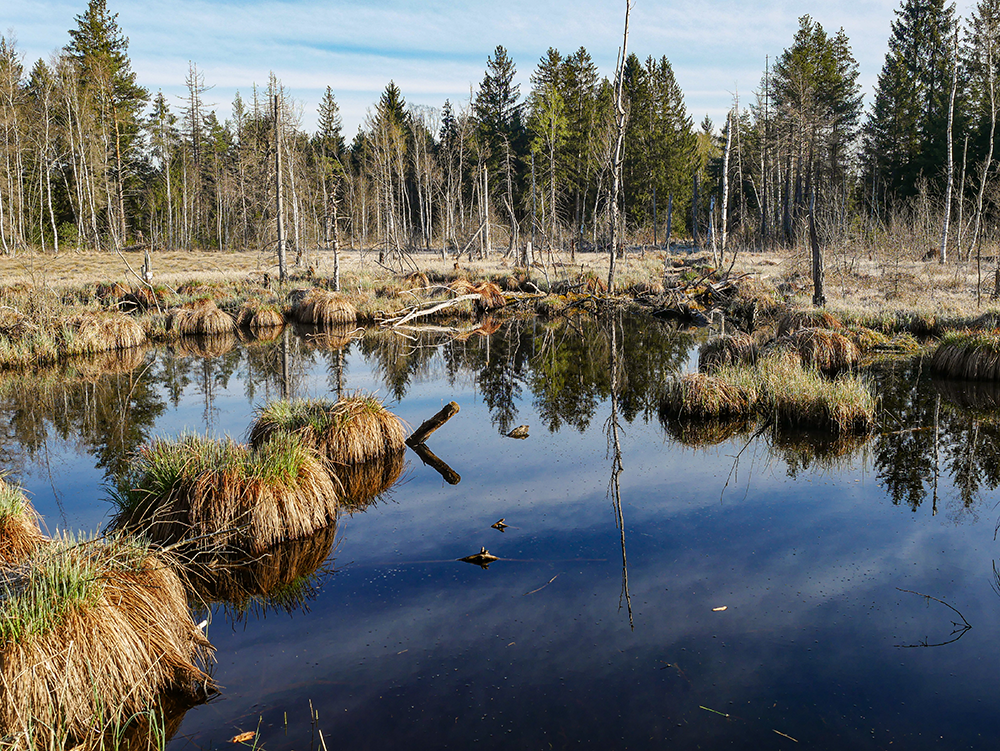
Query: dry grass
[353, 429]
[220, 494]
[807, 319]
[363, 483]
[969, 355]
[202, 317]
[20, 533]
[90, 635]
[824, 349]
[800, 397]
[324, 309]
[93, 331]
[490, 295]
[698, 396]
[259, 317]
[734, 349]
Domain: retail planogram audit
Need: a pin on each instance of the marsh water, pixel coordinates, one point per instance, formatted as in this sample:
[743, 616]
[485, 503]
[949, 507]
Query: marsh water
[658, 584]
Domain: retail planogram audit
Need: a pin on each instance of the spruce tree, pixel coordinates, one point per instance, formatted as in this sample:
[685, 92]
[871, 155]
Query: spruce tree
[906, 132]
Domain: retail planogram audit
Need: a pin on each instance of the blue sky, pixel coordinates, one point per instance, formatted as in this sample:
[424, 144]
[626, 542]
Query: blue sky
[436, 50]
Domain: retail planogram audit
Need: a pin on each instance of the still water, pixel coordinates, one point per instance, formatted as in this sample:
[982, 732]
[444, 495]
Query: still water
[756, 592]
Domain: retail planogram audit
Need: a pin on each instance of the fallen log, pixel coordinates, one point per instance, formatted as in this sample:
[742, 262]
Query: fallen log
[429, 426]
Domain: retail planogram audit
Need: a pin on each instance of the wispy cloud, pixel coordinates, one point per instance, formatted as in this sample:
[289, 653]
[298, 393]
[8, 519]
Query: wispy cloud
[436, 50]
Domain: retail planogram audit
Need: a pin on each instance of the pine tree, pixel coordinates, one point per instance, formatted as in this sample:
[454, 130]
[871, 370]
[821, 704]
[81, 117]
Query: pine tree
[497, 109]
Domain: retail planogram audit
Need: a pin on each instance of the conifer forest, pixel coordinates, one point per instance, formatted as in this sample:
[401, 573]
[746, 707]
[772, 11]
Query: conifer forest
[90, 158]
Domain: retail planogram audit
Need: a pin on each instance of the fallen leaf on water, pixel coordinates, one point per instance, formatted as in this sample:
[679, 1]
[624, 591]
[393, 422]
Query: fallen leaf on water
[243, 737]
[719, 610]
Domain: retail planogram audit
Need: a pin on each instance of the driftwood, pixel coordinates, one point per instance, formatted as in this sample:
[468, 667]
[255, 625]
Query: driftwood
[429, 458]
[429, 426]
[417, 313]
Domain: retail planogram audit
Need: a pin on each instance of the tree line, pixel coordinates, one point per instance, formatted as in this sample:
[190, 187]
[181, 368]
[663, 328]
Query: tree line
[89, 158]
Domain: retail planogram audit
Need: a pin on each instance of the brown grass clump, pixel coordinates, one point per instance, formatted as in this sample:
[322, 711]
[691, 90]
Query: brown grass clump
[362, 484]
[734, 349]
[282, 577]
[700, 396]
[824, 349]
[324, 309]
[807, 319]
[91, 633]
[969, 355]
[94, 331]
[417, 281]
[257, 316]
[20, 533]
[201, 316]
[219, 494]
[353, 429]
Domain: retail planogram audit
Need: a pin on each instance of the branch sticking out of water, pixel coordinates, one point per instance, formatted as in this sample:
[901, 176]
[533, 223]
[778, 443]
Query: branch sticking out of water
[959, 628]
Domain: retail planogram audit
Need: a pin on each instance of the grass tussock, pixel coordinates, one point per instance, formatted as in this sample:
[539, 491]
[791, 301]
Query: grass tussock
[91, 633]
[20, 533]
[727, 394]
[259, 317]
[800, 397]
[968, 355]
[221, 494]
[99, 331]
[351, 430]
[734, 349]
[807, 319]
[824, 349]
[324, 309]
[202, 317]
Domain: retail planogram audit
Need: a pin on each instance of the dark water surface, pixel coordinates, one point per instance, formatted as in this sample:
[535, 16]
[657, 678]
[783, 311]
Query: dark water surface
[806, 545]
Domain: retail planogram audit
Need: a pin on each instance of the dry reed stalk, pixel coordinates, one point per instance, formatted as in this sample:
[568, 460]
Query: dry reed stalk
[90, 635]
[824, 349]
[200, 317]
[220, 494]
[969, 355]
[93, 331]
[807, 319]
[282, 576]
[324, 309]
[727, 350]
[20, 532]
[353, 429]
[362, 484]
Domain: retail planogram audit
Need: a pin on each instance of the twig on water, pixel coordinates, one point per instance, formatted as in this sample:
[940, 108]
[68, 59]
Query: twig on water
[541, 587]
[960, 628]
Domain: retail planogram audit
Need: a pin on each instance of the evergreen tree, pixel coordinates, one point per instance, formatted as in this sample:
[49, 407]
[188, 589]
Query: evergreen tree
[906, 132]
[101, 54]
[328, 135]
[497, 109]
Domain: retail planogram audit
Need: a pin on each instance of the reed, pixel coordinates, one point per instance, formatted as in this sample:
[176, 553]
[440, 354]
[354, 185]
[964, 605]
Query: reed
[201, 316]
[220, 494]
[970, 355]
[722, 351]
[353, 429]
[91, 633]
